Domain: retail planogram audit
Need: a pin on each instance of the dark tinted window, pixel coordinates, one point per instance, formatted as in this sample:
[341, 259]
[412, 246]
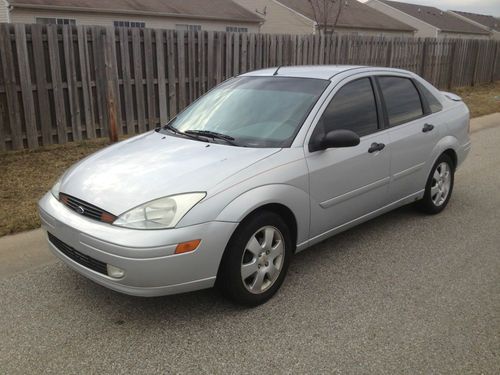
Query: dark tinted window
[401, 99]
[353, 107]
[434, 104]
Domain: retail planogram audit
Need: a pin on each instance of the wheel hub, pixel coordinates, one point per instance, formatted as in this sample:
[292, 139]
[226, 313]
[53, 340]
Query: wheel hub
[262, 259]
[441, 184]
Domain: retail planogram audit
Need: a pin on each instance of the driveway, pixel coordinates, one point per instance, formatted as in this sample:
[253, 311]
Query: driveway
[404, 293]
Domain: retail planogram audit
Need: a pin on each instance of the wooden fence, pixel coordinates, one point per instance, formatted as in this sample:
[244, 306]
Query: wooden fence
[67, 83]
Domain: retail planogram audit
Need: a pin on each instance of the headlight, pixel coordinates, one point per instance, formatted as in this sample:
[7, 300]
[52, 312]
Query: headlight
[161, 213]
[55, 189]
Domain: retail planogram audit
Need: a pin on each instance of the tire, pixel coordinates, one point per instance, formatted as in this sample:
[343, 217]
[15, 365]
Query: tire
[439, 186]
[251, 270]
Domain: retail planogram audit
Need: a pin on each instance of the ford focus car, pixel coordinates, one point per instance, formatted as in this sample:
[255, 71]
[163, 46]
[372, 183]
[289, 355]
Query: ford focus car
[263, 166]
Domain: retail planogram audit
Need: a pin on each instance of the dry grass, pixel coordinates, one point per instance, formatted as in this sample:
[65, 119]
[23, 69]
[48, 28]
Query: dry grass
[27, 175]
[481, 100]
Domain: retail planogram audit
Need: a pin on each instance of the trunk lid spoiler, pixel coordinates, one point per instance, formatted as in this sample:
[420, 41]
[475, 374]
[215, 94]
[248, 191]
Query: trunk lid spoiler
[452, 96]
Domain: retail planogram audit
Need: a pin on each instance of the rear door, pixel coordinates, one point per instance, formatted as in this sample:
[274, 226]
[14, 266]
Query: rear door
[412, 134]
[346, 183]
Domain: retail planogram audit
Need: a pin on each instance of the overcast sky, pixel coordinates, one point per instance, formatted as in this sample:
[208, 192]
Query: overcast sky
[476, 6]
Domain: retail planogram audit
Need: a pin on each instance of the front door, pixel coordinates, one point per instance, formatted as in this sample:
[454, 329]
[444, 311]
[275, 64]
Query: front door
[347, 183]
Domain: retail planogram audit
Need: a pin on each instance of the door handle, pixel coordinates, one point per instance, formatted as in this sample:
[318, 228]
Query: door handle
[427, 128]
[376, 147]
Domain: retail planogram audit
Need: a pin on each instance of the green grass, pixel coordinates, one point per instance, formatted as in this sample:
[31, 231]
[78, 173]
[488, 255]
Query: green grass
[27, 175]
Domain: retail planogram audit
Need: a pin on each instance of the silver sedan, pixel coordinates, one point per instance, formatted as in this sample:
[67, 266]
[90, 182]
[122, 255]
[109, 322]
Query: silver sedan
[261, 167]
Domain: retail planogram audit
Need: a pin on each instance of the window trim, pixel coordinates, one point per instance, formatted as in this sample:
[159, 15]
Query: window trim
[130, 24]
[428, 109]
[72, 21]
[378, 109]
[387, 124]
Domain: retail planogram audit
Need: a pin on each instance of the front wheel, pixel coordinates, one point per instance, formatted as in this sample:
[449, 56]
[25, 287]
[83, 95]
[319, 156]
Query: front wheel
[256, 259]
[439, 186]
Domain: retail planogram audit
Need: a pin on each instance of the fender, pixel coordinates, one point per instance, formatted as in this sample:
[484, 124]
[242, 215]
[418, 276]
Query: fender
[290, 196]
[445, 143]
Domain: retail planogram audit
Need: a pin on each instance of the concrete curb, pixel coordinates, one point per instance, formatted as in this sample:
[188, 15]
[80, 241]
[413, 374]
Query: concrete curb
[23, 251]
[485, 122]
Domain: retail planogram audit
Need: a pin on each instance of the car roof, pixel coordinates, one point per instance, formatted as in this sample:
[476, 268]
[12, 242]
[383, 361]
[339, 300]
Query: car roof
[314, 71]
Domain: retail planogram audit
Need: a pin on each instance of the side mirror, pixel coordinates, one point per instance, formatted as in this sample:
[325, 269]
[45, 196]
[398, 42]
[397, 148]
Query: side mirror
[336, 139]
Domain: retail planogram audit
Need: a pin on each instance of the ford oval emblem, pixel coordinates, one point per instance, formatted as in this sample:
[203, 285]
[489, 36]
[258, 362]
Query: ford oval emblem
[80, 210]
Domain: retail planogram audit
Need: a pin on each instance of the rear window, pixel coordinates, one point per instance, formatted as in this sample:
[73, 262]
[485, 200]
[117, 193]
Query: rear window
[402, 100]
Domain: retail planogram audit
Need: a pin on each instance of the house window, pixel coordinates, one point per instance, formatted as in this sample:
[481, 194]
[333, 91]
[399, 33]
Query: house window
[186, 27]
[55, 21]
[139, 25]
[236, 29]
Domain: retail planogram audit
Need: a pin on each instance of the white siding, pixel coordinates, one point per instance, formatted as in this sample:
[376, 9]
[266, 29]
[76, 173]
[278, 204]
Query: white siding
[424, 30]
[21, 15]
[278, 19]
[4, 11]
[443, 34]
[282, 20]
[366, 32]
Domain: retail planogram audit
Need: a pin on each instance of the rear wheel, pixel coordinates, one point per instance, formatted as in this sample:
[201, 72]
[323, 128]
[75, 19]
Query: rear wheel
[439, 186]
[256, 259]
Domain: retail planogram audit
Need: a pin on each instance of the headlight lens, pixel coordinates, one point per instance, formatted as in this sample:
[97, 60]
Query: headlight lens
[161, 213]
[55, 189]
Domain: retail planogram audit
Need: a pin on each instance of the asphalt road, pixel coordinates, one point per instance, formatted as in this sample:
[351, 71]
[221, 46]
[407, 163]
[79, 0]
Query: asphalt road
[404, 293]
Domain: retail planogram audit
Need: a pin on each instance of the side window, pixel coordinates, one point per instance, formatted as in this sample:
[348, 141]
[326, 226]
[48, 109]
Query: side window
[353, 107]
[434, 104]
[401, 99]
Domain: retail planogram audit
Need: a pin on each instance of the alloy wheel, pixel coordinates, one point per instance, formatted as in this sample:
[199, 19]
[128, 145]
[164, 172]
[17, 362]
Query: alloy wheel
[263, 259]
[441, 183]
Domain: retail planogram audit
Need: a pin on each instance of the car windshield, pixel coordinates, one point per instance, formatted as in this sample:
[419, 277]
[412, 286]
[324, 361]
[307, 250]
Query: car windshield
[252, 111]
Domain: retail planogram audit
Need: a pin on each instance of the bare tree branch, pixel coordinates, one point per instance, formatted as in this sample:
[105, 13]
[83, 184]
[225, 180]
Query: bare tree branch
[327, 13]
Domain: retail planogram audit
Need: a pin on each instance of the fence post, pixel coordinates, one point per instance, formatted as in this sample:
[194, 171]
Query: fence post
[494, 63]
[476, 64]
[452, 63]
[110, 96]
[10, 86]
[424, 57]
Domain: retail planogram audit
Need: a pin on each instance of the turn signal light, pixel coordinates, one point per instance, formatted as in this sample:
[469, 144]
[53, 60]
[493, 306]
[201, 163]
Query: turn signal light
[187, 247]
[107, 218]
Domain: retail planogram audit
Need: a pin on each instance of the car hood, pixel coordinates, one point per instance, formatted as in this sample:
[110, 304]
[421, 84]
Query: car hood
[154, 165]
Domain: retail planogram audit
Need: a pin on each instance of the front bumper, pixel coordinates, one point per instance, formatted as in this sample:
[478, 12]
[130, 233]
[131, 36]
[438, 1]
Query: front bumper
[147, 256]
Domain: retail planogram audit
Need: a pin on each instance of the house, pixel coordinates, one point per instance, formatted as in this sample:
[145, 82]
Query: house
[4, 11]
[299, 17]
[429, 21]
[218, 15]
[483, 21]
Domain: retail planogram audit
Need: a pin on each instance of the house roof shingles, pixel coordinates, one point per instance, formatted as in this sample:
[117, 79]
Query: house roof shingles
[213, 9]
[490, 22]
[437, 18]
[353, 15]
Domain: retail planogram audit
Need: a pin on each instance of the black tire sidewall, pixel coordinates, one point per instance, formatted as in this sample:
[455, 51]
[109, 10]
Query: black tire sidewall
[427, 204]
[229, 277]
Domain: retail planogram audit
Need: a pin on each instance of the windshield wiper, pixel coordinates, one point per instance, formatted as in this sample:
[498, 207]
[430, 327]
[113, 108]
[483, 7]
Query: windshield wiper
[213, 135]
[185, 134]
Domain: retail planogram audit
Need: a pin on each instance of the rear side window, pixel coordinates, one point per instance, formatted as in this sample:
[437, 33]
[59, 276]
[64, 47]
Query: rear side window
[401, 99]
[434, 104]
[353, 108]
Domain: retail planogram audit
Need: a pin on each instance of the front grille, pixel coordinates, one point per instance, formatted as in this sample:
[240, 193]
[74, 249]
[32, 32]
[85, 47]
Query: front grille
[78, 257]
[86, 209]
